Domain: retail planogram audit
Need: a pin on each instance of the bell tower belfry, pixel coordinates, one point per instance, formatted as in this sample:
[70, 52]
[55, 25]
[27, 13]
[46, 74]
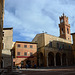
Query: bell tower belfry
[64, 28]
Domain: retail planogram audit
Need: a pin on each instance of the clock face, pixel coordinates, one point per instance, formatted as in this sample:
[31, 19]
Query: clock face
[61, 20]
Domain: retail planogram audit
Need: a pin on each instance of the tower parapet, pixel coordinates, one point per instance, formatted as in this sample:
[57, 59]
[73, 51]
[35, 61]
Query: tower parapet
[64, 28]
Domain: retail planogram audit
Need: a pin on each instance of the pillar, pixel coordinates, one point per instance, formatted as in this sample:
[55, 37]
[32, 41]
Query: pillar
[47, 61]
[61, 60]
[39, 60]
[66, 61]
[54, 60]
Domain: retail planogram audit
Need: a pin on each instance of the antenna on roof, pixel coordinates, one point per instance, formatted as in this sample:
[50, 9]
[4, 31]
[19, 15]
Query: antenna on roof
[43, 31]
[63, 14]
[46, 32]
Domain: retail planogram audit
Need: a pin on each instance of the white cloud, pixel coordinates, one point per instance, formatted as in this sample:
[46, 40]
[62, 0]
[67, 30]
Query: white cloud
[29, 17]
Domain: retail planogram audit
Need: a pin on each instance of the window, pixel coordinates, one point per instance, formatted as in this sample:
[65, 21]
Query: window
[67, 31]
[25, 53]
[31, 46]
[3, 45]
[50, 44]
[69, 47]
[18, 53]
[13, 63]
[62, 31]
[63, 46]
[31, 54]
[57, 45]
[18, 45]
[22, 63]
[61, 20]
[25, 46]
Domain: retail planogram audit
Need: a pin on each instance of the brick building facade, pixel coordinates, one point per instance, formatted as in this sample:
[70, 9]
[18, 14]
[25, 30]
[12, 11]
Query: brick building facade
[64, 28]
[25, 53]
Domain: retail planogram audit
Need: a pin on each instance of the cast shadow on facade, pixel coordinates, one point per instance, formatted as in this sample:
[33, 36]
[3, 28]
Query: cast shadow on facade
[56, 53]
[6, 61]
[25, 60]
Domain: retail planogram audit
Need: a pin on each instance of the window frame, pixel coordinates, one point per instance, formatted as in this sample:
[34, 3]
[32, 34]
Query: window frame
[50, 44]
[62, 31]
[25, 46]
[25, 54]
[63, 46]
[18, 45]
[67, 31]
[31, 54]
[58, 45]
[31, 46]
[18, 54]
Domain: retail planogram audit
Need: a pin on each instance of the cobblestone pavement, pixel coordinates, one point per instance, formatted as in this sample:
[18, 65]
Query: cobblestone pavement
[57, 71]
[49, 73]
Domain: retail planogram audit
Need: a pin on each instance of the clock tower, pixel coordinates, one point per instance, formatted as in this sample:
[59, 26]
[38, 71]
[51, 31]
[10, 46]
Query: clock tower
[64, 28]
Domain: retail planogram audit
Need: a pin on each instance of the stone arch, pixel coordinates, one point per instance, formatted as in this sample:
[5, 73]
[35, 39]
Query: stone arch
[64, 59]
[58, 59]
[41, 59]
[50, 59]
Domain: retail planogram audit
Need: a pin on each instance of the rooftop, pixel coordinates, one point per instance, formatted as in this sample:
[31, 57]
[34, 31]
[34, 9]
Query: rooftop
[25, 42]
[72, 33]
[7, 28]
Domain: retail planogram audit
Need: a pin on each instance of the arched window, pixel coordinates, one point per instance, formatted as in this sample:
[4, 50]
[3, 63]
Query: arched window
[62, 31]
[67, 31]
[57, 45]
[50, 44]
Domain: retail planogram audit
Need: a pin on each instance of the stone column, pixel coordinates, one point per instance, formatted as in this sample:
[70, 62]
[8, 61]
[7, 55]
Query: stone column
[66, 61]
[39, 60]
[47, 61]
[54, 60]
[61, 60]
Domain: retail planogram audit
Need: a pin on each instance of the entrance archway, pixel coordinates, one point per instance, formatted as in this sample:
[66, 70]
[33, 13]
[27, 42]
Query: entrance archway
[50, 59]
[28, 62]
[63, 59]
[41, 60]
[58, 59]
[2, 63]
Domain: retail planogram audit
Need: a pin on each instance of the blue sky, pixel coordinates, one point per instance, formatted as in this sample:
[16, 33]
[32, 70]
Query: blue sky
[31, 17]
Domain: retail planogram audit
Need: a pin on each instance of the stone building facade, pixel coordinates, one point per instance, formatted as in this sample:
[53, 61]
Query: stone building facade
[1, 27]
[7, 46]
[73, 46]
[25, 53]
[55, 51]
